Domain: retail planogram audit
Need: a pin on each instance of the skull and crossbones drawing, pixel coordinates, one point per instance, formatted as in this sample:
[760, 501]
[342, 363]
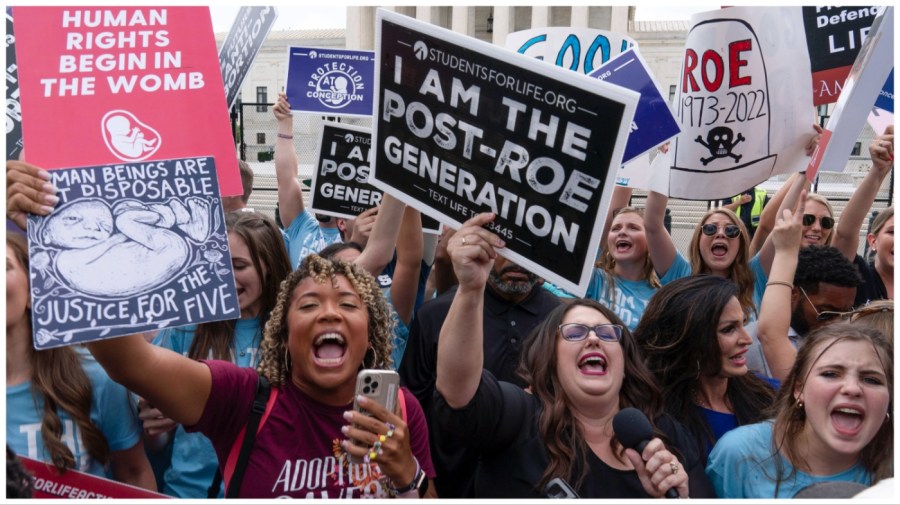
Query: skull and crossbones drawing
[720, 141]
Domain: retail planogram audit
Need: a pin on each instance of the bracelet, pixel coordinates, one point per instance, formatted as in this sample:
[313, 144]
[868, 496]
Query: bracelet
[780, 283]
[416, 485]
[285, 136]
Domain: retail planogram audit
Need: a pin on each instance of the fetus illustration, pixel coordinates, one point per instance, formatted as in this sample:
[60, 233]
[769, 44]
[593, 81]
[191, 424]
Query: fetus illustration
[127, 137]
[127, 249]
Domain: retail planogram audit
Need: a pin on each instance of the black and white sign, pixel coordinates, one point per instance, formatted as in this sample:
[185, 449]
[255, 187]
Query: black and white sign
[13, 107]
[246, 37]
[340, 185]
[463, 127]
[130, 248]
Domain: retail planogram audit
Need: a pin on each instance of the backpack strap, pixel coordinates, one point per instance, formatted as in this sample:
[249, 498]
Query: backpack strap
[236, 464]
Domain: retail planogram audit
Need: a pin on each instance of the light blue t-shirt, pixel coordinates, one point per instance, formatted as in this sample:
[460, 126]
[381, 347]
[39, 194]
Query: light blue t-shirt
[628, 302]
[682, 268]
[741, 465]
[194, 460]
[111, 411]
[305, 236]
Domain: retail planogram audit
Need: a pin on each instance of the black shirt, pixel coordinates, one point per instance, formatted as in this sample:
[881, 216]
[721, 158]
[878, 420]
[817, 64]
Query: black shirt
[872, 288]
[501, 424]
[506, 325]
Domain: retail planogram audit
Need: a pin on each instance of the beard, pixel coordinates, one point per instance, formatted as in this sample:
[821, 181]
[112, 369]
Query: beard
[512, 287]
[799, 322]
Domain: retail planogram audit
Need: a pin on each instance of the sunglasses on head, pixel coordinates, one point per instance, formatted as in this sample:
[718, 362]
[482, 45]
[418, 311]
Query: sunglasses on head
[827, 222]
[574, 332]
[731, 230]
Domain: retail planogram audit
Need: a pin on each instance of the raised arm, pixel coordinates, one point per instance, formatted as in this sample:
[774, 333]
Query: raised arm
[442, 271]
[290, 194]
[621, 195]
[460, 356]
[659, 242]
[775, 307]
[770, 213]
[792, 200]
[380, 247]
[846, 235]
[177, 385]
[410, 249]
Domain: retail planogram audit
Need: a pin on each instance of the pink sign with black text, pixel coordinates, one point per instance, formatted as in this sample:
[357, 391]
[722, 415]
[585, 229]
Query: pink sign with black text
[120, 85]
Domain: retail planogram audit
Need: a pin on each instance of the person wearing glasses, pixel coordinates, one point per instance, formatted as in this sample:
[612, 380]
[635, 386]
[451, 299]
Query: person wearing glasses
[582, 366]
[693, 337]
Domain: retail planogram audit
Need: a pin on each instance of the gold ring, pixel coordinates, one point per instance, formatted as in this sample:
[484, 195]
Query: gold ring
[464, 241]
[674, 467]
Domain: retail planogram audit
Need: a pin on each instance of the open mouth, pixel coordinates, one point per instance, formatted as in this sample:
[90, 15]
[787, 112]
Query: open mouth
[593, 364]
[623, 246]
[739, 359]
[329, 349]
[719, 250]
[847, 420]
[812, 239]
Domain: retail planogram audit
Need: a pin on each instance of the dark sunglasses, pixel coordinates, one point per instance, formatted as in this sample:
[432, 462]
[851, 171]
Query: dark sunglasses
[731, 230]
[827, 222]
[827, 315]
[574, 332]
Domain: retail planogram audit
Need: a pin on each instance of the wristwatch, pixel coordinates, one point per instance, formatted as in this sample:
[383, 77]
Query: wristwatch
[419, 482]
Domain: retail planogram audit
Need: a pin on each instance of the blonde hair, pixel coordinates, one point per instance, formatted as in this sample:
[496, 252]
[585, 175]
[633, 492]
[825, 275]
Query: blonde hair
[739, 272]
[607, 263]
[824, 201]
[878, 314]
[274, 348]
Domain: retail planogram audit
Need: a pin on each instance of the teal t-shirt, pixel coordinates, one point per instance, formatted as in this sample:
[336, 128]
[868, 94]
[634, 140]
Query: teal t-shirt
[741, 465]
[194, 460]
[682, 268]
[111, 411]
[304, 236]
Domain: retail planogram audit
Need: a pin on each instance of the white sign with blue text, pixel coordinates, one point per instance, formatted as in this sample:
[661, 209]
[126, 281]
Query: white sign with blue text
[332, 82]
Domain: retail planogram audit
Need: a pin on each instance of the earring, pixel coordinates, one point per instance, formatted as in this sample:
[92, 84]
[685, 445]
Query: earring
[799, 404]
[887, 416]
[287, 363]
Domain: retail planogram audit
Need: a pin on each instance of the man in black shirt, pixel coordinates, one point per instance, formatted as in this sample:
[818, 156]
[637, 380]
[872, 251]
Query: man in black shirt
[515, 303]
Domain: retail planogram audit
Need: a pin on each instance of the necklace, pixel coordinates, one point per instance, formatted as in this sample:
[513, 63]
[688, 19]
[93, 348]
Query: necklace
[699, 401]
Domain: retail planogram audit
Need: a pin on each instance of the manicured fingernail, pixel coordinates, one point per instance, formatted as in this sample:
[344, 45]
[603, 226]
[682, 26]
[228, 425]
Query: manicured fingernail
[43, 174]
[51, 200]
[345, 429]
[49, 188]
[46, 210]
[362, 400]
[348, 415]
[500, 243]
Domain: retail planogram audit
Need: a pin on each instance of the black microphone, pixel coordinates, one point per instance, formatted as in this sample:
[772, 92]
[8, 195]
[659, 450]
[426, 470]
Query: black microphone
[634, 431]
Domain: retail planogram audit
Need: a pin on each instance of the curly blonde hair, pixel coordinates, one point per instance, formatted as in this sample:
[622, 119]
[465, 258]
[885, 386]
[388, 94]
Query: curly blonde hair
[274, 348]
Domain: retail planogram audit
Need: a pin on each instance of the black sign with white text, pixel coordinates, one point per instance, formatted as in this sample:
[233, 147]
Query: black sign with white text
[340, 183]
[244, 40]
[463, 127]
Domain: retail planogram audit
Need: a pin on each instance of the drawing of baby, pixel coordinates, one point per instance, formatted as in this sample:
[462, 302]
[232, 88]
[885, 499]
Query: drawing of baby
[126, 139]
[125, 250]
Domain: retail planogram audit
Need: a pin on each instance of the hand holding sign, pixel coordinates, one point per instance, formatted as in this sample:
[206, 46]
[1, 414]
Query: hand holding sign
[472, 252]
[882, 150]
[28, 191]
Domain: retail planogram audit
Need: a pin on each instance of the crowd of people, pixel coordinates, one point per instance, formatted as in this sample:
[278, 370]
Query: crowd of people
[762, 364]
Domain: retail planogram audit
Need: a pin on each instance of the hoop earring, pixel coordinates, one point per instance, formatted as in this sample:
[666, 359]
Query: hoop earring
[287, 362]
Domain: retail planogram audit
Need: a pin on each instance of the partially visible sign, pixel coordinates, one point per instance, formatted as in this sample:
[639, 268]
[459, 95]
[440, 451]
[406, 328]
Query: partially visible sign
[578, 49]
[106, 85]
[246, 37]
[744, 110]
[462, 127]
[834, 36]
[50, 483]
[330, 81]
[130, 248]
[340, 184]
[885, 100]
[13, 108]
[654, 122]
[862, 88]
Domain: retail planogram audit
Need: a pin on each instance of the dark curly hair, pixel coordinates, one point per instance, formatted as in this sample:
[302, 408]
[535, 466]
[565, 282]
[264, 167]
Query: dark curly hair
[824, 264]
[560, 433]
[678, 334]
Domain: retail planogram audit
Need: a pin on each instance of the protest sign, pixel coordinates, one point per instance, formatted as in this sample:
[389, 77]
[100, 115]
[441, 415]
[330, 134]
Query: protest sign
[462, 126]
[578, 49]
[130, 248]
[72, 484]
[744, 102]
[340, 184]
[654, 123]
[13, 108]
[834, 36]
[861, 89]
[122, 84]
[330, 81]
[885, 100]
[246, 37]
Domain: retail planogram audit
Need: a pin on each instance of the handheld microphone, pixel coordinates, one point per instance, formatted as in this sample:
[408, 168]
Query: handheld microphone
[634, 431]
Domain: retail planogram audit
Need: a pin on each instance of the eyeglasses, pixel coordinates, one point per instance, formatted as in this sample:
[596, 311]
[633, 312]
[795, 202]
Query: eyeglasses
[827, 222]
[574, 332]
[731, 230]
[827, 315]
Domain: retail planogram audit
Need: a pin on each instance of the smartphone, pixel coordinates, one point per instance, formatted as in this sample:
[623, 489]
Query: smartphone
[380, 386]
[560, 489]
